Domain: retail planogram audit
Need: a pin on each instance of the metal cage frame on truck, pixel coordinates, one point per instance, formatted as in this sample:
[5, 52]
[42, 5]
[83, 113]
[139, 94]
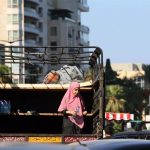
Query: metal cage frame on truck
[37, 58]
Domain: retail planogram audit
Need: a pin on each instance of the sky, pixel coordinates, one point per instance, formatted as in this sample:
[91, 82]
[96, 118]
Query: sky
[121, 28]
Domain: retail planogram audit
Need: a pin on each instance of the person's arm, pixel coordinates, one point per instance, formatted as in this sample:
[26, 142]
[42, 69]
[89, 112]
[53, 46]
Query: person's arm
[83, 108]
[85, 112]
[69, 112]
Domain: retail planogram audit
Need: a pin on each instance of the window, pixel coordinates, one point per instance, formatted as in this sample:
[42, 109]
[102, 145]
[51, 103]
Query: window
[84, 36]
[139, 81]
[16, 81]
[13, 18]
[53, 31]
[12, 3]
[40, 26]
[40, 11]
[15, 49]
[13, 35]
[53, 44]
[40, 40]
[84, 2]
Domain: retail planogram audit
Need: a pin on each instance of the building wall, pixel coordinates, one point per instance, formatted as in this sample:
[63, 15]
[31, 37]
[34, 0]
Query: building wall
[126, 66]
[3, 21]
[130, 71]
[34, 26]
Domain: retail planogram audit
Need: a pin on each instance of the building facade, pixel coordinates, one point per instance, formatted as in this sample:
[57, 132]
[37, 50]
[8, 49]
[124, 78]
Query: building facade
[41, 23]
[130, 71]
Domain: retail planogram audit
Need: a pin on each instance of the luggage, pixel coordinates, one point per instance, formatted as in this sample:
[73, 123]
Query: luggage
[5, 107]
[69, 74]
[66, 74]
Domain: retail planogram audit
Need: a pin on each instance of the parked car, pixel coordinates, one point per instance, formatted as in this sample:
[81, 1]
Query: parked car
[113, 144]
[145, 134]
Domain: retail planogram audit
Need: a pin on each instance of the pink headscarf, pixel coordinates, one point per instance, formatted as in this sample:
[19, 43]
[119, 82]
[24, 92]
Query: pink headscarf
[73, 103]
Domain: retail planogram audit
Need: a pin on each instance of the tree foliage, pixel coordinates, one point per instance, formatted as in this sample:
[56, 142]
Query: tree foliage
[123, 96]
[5, 74]
[115, 105]
[114, 90]
[110, 75]
[146, 69]
[124, 89]
[134, 96]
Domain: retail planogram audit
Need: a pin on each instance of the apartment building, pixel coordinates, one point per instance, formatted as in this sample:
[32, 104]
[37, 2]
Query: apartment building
[41, 23]
[130, 71]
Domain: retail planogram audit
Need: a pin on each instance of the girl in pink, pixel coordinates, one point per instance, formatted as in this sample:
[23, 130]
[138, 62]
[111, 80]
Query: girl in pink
[72, 106]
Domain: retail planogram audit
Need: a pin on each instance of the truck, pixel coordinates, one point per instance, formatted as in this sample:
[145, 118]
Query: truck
[33, 97]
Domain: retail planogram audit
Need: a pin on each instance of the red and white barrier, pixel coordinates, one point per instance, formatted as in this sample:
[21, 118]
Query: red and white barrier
[119, 116]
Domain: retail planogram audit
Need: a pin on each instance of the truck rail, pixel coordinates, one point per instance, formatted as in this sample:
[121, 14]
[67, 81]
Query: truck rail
[33, 112]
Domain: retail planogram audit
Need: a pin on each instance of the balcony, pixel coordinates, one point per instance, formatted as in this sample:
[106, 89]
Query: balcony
[31, 13]
[31, 42]
[36, 2]
[83, 6]
[31, 28]
[83, 42]
[84, 29]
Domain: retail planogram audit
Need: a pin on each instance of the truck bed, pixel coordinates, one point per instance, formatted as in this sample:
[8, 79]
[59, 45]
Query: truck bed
[38, 108]
[33, 115]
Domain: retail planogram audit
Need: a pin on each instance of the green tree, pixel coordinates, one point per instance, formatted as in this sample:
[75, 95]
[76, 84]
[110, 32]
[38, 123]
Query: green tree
[115, 105]
[126, 89]
[115, 101]
[5, 74]
[114, 90]
[123, 95]
[110, 75]
[134, 97]
[117, 126]
[146, 69]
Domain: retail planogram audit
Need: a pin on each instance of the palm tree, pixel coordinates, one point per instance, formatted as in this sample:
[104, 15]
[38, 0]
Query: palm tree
[115, 102]
[115, 105]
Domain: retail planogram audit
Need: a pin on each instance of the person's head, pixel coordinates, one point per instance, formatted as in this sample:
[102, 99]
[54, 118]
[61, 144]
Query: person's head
[75, 87]
[75, 91]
